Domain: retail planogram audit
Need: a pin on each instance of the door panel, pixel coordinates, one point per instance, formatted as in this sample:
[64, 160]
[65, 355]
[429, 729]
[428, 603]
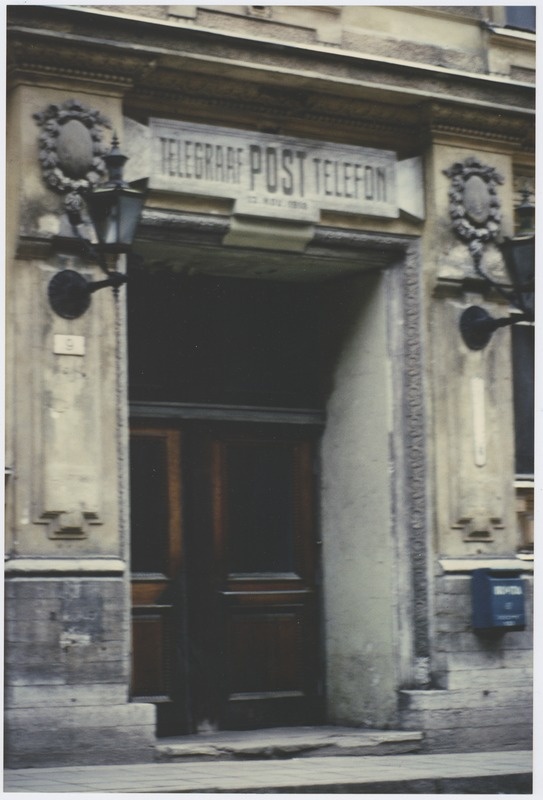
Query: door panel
[225, 615]
[152, 645]
[158, 652]
[264, 547]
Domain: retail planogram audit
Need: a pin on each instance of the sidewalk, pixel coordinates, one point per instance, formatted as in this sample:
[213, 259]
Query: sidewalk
[452, 773]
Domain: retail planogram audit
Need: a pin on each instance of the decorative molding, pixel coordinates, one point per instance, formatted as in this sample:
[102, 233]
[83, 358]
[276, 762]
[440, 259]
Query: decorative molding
[415, 435]
[178, 49]
[141, 409]
[170, 225]
[122, 435]
[260, 12]
[474, 429]
[341, 238]
[523, 182]
[71, 150]
[68, 524]
[214, 74]
[281, 104]
[275, 106]
[67, 491]
[485, 124]
[32, 53]
[477, 529]
[64, 566]
[474, 204]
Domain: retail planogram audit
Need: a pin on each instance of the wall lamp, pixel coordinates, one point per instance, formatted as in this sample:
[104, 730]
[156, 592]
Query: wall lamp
[114, 209]
[476, 324]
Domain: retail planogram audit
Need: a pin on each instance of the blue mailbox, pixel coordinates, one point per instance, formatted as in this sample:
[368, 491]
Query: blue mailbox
[497, 599]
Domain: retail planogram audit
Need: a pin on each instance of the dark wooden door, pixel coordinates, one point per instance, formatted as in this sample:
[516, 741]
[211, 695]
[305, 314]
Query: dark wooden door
[232, 638]
[159, 656]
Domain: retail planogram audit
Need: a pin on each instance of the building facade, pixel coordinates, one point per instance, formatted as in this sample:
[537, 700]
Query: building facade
[251, 487]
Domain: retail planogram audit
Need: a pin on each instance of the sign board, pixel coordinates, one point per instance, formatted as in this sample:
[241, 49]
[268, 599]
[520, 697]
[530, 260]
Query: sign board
[68, 345]
[268, 175]
[497, 601]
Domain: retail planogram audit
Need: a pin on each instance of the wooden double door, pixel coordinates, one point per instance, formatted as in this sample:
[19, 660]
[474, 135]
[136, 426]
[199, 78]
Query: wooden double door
[225, 574]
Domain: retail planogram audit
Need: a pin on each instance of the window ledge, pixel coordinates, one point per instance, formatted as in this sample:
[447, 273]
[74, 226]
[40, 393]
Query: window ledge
[523, 562]
[515, 36]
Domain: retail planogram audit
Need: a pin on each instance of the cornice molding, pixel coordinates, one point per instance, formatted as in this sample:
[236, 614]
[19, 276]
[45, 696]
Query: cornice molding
[276, 107]
[30, 56]
[442, 118]
[173, 226]
[206, 76]
[130, 47]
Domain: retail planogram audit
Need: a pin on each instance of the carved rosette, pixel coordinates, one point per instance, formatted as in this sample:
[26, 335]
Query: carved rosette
[474, 204]
[71, 150]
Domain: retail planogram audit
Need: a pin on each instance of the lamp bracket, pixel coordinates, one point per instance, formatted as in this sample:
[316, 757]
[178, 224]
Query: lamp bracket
[90, 252]
[477, 326]
[70, 293]
[78, 245]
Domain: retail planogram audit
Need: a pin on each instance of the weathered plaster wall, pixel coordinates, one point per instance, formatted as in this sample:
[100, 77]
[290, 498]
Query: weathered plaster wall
[358, 559]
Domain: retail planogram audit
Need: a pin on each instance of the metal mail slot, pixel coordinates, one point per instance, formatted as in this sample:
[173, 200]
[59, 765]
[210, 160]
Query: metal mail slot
[497, 600]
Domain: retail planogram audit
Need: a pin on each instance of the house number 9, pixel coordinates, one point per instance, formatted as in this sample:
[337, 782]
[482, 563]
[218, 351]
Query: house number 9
[68, 345]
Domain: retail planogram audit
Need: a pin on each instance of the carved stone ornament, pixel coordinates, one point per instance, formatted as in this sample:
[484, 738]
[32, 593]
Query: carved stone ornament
[71, 150]
[474, 204]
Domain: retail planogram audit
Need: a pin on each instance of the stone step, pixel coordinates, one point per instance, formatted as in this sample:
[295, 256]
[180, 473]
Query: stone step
[284, 743]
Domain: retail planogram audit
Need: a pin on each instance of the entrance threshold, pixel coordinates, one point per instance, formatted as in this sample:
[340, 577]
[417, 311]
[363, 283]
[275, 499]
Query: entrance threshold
[283, 743]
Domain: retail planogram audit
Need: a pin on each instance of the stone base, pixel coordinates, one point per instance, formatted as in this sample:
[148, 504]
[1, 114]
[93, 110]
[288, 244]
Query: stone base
[56, 736]
[470, 720]
[285, 743]
[67, 674]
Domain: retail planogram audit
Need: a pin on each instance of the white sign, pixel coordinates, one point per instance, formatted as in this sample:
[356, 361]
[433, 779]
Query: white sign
[272, 175]
[68, 345]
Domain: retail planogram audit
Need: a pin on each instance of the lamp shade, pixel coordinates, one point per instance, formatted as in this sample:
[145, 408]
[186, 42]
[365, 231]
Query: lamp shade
[519, 256]
[115, 213]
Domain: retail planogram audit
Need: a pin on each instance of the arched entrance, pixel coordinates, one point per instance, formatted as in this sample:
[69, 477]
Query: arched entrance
[268, 456]
[224, 461]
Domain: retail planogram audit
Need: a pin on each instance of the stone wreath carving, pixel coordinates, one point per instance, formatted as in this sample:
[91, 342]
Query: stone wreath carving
[71, 150]
[474, 204]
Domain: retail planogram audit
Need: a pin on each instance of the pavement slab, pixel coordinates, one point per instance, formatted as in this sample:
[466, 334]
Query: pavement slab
[508, 772]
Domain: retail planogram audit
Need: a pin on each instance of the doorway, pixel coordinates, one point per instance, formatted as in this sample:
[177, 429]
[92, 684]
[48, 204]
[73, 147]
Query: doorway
[224, 497]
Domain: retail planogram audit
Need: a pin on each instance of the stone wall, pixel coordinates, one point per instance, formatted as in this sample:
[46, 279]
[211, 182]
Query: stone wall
[484, 695]
[66, 675]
